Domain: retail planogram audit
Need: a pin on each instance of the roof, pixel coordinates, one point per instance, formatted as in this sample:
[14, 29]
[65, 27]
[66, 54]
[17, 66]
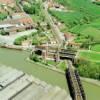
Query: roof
[19, 20]
[7, 1]
[19, 15]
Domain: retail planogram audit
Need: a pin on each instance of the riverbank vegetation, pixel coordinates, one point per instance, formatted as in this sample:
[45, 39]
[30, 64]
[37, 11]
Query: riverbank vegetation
[88, 64]
[88, 69]
[90, 55]
[61, 65]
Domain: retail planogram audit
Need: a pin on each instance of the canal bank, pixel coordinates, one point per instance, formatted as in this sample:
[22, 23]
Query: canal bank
[18, 60]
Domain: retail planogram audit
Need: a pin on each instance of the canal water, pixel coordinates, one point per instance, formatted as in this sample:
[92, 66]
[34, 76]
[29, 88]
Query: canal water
[17, 59]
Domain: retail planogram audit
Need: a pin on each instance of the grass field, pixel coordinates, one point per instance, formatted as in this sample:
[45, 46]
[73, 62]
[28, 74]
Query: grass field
[96, 48]
[78, 28]
[68, 18]
[85, 6]
[85, 15]
[85, 31]
[92, 56]
[90, 31]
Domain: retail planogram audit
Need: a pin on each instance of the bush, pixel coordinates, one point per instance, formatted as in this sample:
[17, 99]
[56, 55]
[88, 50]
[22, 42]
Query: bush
[35, 42]
[34, 57]
[19, 40]
[3, 16]
[2, 32]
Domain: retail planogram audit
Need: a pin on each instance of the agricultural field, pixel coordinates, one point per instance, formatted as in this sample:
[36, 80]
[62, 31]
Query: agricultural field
[85, 6]
[84, 18]
[87, 31]
[94, 24]
[90, 55]
[70, 19]
[96, 47]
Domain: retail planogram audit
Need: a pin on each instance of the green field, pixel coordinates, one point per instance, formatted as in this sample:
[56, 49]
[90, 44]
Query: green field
[85, 6]
[92, 56]
[90, 31]
[84, 18]
[96, 48]
[70, 19]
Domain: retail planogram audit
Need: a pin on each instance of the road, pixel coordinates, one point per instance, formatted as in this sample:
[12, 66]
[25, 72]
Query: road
[57, 34]
[10, 39]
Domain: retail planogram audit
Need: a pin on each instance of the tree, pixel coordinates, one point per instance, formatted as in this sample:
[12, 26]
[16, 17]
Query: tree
[31, 9]
[88, 69]
[19, 40]
[35, 42]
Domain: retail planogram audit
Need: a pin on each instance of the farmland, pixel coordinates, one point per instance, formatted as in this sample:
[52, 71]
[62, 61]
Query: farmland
[70, 19]
[84, 18]
[96, 48]
[92, 56]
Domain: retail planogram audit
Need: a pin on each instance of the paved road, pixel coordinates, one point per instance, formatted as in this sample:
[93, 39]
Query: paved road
[10, 39]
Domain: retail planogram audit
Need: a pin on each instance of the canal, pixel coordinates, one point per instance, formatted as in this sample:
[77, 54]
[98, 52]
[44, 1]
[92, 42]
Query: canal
[17, 59]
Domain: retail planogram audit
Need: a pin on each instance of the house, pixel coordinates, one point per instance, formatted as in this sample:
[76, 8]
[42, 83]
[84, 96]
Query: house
[10, 3]
[17, 22]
